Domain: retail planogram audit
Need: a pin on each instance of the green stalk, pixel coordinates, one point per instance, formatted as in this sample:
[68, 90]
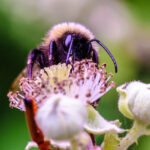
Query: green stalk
[132, 136]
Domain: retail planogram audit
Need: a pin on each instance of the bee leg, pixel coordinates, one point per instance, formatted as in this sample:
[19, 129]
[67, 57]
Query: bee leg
[31, 60]
[52, 52]
[95, 56]
[35, 132]
[35, 56]
[69, 52]
[89, 48]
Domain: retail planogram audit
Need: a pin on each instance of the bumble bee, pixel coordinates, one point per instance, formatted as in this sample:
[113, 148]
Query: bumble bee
[64, 43]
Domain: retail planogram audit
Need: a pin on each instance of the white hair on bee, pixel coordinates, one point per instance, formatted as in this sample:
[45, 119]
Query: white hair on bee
[59, 30]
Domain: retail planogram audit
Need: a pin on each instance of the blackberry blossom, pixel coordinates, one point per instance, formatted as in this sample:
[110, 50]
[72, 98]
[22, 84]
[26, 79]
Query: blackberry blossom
[83, 81]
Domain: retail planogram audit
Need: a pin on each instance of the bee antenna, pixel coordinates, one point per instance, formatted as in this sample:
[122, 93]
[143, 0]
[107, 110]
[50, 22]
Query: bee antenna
[108, 52]
[69, 51]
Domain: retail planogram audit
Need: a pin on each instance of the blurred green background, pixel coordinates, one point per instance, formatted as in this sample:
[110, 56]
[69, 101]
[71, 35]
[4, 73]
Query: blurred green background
[124, 26]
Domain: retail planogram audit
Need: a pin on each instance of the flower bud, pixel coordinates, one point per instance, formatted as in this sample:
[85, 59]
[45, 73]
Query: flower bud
[134, 100]
[61, 117]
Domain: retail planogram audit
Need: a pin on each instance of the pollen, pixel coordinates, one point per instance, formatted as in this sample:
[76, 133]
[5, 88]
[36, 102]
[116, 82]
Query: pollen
[59, 72]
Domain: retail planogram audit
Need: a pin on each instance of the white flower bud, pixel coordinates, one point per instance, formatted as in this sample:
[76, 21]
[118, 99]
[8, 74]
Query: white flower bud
[134, 101]
[61, 117]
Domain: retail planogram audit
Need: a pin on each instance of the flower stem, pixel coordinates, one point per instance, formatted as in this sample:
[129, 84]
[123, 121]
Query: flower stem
[74, 144]
[132, 136]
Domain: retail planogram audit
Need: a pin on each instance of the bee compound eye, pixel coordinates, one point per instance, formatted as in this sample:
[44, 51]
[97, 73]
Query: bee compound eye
[68, 40]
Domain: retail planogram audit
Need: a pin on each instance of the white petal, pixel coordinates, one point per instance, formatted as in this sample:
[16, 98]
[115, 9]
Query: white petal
[97, 124]
[31, 144]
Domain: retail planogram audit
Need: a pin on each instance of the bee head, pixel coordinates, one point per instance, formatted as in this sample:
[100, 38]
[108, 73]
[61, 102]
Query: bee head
[77, 47]
[69, 42]
[80, 48]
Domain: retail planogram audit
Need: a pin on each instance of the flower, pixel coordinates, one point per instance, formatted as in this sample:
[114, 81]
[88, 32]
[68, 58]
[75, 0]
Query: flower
[61, 117]
[86, 83]
[134, 103]
[134, 100]
[64, 97]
